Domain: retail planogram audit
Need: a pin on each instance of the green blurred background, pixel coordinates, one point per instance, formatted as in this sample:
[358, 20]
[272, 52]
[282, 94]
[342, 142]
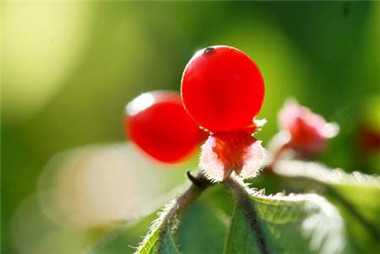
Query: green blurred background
[69, 68]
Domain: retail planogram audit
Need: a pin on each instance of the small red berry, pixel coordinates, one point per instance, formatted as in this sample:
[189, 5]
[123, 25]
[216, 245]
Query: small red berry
[222, 89]
[159, 125]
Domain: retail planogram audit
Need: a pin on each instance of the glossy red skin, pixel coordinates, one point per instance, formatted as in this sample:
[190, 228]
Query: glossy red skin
[164, 130]
[222, 89]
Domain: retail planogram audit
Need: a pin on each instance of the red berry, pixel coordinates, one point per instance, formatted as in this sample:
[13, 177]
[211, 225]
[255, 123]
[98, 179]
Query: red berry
[222, 89]
[159, 125]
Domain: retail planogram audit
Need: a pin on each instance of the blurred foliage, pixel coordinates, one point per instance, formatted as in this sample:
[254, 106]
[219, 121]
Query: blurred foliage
[354, 194]
[68, 69]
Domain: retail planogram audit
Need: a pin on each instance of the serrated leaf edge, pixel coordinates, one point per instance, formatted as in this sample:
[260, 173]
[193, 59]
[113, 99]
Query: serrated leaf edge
[157, 224]
[321, 173]
[313, 202]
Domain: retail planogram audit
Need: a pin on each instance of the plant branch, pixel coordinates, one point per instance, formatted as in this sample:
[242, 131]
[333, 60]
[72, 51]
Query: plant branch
[242, 197]
[182, 202]
[199, 184]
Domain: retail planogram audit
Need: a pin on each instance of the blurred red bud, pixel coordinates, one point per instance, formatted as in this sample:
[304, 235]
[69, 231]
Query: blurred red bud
[308, 131]
[369, 139]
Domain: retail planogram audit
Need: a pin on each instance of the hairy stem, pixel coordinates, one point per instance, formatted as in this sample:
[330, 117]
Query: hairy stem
[182, 202]
[242, 197]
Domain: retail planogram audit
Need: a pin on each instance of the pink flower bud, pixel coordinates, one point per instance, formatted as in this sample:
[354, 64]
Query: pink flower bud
[308, 131]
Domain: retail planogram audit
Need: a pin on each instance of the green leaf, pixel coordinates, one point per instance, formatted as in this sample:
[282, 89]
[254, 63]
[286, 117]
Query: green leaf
[160, 239]
[168, 245]
[356, 195]
[203, 227]
[287, 224]
[123, 239]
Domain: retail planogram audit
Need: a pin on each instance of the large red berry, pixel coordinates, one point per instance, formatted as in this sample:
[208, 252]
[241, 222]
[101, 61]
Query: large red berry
[159, 125]
[222, 89]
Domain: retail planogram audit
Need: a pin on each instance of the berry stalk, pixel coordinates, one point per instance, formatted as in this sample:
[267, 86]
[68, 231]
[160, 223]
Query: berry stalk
[182, 202]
